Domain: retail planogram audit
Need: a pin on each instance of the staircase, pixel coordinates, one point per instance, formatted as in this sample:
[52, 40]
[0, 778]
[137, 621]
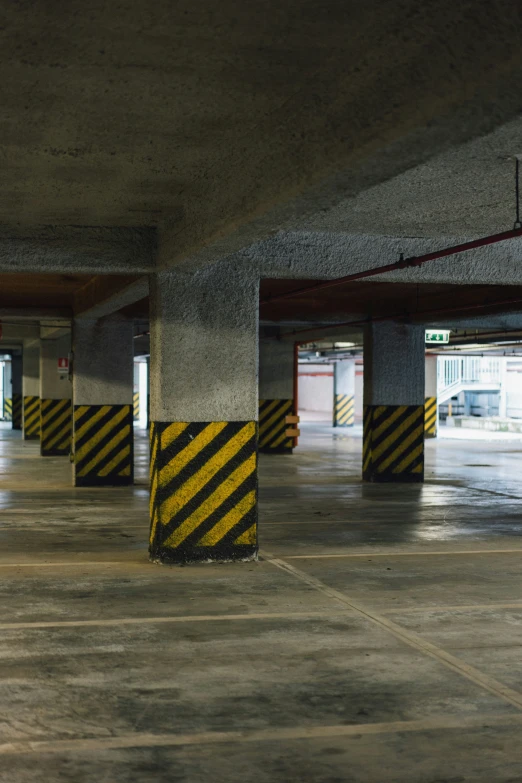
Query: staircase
[456, 374]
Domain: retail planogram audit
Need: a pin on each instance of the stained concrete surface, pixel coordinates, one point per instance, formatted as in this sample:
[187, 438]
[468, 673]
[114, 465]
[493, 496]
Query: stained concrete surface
[377, 639]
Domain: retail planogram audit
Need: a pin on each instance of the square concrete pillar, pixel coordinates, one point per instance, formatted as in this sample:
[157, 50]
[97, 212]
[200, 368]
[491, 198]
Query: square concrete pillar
[344, 393]
[55, 397]
[431, 409]
[16, 389]
[31, 390]
[393, 439]
[276, 392]
[103, 360]
[203, 405]
[8, 392]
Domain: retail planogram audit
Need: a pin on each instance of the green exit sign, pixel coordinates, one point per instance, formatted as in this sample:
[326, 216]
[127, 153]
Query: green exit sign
[439, 336]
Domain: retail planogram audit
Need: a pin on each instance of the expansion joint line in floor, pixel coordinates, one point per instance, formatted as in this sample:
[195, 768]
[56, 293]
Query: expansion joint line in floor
[480, 679]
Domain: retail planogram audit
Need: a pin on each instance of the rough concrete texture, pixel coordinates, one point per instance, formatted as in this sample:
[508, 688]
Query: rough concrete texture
[54, 385]
[312, 664]
[31, 368]
[276, 369]
[344, 377]
[204, 346]
[319, 254]
[252, 107]
[393, 364]
[82, 248]
[103, 358]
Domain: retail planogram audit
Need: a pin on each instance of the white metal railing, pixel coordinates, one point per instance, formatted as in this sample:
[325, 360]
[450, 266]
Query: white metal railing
[457, 371]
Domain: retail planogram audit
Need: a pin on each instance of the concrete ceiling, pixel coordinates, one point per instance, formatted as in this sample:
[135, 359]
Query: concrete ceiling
[468, 190]
[201, 118]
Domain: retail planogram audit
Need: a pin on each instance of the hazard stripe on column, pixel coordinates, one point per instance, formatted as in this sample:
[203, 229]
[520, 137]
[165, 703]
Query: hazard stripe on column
[430, 417]
[273, 426]
[17, 411]
[31, 418]
[8, 409]
[344, 410]
[203, 499]
[56, 427]
[103, 445]
[136, 402]
[393, 443]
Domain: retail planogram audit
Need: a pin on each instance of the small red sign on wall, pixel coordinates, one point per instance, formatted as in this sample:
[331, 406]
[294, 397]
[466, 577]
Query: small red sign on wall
[63, 364]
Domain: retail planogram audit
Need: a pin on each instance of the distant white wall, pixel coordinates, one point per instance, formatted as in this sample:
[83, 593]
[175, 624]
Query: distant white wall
[316, 387]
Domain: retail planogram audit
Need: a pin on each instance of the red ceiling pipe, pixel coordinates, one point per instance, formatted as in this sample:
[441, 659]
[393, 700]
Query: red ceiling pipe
[403, 263]
[400, 316]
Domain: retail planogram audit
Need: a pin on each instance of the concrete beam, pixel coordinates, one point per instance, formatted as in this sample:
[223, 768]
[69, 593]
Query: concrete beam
[82, 249]
[105, 295]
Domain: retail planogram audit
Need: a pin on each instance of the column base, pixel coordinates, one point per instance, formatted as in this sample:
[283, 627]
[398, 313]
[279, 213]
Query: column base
[8, 409]
[203, 497]
[393, 443]
[103, 446]
[17, 411]
[56, 428]
[430, 417]
[273, 426]
[31, 422]
[344, 410]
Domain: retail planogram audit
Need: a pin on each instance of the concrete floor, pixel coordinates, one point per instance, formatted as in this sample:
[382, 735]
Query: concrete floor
[378, 639]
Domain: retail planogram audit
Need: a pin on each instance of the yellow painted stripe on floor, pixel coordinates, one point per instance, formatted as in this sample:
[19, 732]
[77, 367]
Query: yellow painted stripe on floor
[187, 454]
[230, 520]
[210, 504]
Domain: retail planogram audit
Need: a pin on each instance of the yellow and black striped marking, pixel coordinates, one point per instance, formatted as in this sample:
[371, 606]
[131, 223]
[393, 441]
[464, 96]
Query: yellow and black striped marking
[273, 426]
[393, 443]
[56, 428]
[17, 411]
[430, 417]
[103, 445]
[344, 410]
[203, 494]
[136, 406]
[31, 418]
[8, 409]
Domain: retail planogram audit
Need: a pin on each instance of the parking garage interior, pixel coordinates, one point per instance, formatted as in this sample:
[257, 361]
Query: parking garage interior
[260, 392]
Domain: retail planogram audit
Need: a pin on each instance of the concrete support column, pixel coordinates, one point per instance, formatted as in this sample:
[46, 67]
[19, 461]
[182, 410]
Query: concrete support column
[103, 445]
[344, 393]
[56, 398]
[136, 392]
[31, 390]
[204, 406]
[393, 441]
[16, 386]
[8, 392]
[431, 410]
[276, 393]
